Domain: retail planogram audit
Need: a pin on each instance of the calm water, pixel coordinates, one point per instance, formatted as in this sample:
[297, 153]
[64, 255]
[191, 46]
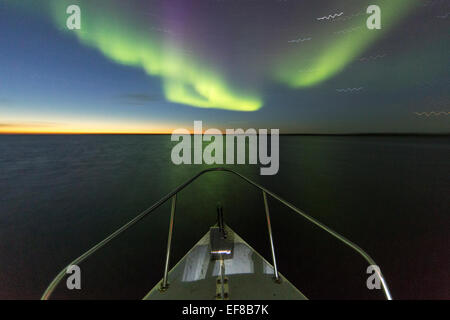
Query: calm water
[59, 195]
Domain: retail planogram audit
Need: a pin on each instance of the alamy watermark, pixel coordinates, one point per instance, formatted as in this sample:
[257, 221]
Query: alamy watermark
[374, 280]
[374, 20]
[213, 153]
[73, 22]
[74, 280]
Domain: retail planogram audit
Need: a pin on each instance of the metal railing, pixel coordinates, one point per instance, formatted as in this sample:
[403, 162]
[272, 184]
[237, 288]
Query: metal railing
[172, 195]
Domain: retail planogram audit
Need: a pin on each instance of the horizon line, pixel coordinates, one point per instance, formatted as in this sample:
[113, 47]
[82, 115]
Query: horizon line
[192, 133]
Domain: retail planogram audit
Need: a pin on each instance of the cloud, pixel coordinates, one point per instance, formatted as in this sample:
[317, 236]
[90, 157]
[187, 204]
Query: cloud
[138, 98]
[33, 124]
[5, 101]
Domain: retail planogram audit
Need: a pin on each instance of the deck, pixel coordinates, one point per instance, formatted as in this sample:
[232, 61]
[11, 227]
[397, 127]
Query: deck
[248, 276]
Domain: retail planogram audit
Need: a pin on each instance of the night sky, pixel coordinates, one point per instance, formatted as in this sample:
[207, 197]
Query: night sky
[153, 66]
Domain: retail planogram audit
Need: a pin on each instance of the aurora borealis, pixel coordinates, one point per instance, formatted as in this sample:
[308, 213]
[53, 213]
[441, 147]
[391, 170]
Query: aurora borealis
[151, 66]
[130, 40]
[338, 51]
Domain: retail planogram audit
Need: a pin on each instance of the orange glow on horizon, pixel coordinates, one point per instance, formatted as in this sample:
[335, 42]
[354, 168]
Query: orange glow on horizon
[36, 131]
[76, 133]
[48, 128]
[31, 128]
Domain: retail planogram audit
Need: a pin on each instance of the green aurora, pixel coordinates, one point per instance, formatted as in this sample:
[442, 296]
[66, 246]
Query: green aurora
[122, 39]
[192, 80]
[337, 51]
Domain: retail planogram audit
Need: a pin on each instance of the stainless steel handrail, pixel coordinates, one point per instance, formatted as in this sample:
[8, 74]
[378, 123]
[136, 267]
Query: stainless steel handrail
[165, 284]
[272, 247]
[46, 295]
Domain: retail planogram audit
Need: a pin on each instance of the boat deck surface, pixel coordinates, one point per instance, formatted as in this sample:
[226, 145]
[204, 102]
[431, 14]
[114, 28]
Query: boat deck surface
[248, 276]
